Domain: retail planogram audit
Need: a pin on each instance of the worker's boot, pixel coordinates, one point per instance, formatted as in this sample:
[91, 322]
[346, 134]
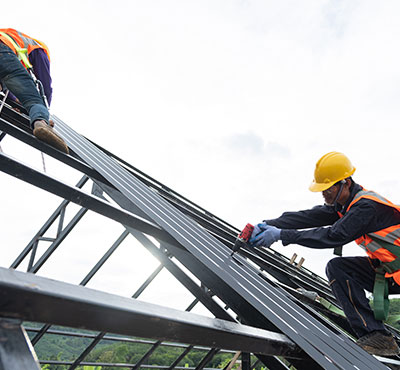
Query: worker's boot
[379, 343]
[45, 132]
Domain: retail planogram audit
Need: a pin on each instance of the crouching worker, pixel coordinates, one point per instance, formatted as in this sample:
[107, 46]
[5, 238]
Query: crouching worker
[350, 213]
[19, 53]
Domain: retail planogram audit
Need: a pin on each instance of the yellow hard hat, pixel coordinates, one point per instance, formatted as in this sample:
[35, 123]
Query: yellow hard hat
[331, 168]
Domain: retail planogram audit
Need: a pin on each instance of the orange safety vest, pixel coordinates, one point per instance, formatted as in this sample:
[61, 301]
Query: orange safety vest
[22, 40]
[370, 241]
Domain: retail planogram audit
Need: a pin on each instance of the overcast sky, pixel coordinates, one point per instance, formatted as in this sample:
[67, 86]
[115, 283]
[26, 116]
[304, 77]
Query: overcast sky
[230, 103]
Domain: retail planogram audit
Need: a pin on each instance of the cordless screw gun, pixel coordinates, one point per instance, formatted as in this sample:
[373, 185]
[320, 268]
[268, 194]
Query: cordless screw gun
[243, 238]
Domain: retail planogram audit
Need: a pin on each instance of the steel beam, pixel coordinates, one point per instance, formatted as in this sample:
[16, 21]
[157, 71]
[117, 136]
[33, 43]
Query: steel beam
[117, 365]
[33, 298]
[113, 338]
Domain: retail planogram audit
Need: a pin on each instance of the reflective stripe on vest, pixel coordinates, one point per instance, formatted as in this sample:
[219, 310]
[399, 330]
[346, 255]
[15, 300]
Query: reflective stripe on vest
[370, 242]
[378, 245]
[21, 52]
[22, 44]
[28, 41]
[383, 245]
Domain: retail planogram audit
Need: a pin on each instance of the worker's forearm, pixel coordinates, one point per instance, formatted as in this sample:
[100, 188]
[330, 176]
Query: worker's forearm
[318, 238]
[315, 217]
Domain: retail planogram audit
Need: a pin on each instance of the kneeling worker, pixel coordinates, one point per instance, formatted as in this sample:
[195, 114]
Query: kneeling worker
[350, 213]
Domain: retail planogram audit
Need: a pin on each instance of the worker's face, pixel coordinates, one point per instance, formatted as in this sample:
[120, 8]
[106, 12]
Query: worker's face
[330, 194]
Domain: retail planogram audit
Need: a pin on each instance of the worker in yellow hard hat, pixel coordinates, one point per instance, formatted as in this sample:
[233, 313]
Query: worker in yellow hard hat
[350, 213]
[329, 176]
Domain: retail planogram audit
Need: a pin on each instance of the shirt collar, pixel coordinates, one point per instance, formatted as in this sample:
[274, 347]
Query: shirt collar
[354, 189]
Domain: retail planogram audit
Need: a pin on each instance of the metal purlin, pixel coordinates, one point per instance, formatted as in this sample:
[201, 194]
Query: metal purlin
[32, 245]
[328, 349]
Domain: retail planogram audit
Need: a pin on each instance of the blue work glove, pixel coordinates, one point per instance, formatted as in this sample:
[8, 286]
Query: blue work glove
[268, 236]
[257, 230]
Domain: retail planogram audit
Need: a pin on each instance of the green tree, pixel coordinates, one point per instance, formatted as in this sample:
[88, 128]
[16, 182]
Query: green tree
[226, 363]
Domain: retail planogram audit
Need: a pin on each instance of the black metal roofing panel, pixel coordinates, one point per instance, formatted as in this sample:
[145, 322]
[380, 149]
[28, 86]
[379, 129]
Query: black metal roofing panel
[328, 349]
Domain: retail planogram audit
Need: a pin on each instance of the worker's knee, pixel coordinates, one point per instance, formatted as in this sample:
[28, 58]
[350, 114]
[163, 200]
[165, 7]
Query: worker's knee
[334, 267]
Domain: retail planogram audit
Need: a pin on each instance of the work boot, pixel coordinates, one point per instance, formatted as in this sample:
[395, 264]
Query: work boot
[45, 133]
[379, 343]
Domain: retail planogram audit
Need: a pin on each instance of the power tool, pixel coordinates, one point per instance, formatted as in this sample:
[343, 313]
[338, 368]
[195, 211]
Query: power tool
[242, 238]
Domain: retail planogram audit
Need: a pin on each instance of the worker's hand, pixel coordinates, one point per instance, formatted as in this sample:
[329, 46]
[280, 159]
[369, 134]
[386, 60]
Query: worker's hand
[268, 236]
[257, 230]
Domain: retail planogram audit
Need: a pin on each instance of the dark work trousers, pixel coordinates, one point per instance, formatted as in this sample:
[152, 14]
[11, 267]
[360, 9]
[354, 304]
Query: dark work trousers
[348, 277]
[15, 77]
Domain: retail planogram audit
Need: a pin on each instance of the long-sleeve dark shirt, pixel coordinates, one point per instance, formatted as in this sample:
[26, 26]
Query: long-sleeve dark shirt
[321, 226]
[41, 67]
